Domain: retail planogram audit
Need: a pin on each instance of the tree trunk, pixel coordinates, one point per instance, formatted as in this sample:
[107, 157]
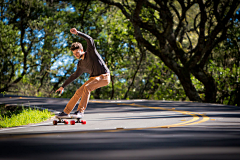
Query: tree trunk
[209, 84]
[134, 76]
[112, 80]
[96, 94]
[190, 90]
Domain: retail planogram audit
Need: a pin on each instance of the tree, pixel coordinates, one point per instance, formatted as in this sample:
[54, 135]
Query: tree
[34, 35]
[25, 26]
[166, 29]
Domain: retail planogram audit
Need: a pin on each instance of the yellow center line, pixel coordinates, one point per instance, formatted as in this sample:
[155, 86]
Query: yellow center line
[193, 121]
[195, 117]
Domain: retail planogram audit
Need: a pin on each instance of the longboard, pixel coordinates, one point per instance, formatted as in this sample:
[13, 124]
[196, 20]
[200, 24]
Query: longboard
[72, 122]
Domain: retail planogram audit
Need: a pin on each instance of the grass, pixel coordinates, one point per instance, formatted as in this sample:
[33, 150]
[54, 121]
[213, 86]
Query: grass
[11, 116]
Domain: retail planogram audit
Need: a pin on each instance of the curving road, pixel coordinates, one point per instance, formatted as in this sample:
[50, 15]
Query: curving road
[130, 129]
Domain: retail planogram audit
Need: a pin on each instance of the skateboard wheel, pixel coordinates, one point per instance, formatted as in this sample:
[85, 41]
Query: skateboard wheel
[83, 122]
[72, 122]
[55, 122]
[65, 122]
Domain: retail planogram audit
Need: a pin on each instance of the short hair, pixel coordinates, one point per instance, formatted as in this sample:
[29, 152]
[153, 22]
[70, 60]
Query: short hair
[76, 45]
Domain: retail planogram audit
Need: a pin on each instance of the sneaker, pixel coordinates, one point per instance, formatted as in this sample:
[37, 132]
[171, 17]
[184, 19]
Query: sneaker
[63, 115]
[77, 114]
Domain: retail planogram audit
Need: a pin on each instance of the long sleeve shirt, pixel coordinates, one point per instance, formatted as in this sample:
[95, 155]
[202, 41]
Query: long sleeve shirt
[92, 62]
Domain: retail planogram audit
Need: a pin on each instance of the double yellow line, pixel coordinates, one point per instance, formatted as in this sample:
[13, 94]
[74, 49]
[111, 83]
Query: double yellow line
[194, 120]
[190, 122]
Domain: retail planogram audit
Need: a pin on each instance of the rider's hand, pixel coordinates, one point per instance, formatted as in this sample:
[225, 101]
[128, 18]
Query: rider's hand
[61, 89]
[73, 31]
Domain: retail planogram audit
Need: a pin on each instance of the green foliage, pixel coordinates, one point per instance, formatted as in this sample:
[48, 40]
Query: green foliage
[16, 116]
[34, 41]
[225, 67]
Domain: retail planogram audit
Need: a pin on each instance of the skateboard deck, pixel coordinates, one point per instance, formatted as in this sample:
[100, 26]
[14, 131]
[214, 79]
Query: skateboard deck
[65, 121]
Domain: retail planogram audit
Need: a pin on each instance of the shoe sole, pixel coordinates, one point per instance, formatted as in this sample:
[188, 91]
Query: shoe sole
[62, 116]
[76, 117]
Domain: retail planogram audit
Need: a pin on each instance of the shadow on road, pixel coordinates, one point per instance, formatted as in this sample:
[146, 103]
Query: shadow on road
[173, 143]
[218, 139]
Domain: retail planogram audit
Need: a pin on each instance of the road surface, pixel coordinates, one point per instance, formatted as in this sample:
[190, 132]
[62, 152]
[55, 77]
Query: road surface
[127, 129]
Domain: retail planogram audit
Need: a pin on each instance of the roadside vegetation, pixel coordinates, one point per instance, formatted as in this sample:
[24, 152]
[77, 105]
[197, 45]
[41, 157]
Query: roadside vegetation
[178, 50]
[11, 116]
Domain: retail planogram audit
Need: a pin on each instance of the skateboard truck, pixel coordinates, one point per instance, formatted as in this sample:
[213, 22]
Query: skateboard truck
[72, 122]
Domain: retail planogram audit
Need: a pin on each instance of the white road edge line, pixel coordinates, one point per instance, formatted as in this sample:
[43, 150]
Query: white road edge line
[24, 126]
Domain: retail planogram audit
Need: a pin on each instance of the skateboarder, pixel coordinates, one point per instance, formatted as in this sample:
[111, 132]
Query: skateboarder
[89, 62]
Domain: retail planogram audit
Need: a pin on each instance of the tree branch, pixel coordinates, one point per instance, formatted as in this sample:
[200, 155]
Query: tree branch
[140, 62]
[110, 2]
[212, 45]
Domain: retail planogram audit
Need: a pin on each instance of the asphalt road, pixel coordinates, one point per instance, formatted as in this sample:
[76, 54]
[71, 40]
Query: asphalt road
[134, 129]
